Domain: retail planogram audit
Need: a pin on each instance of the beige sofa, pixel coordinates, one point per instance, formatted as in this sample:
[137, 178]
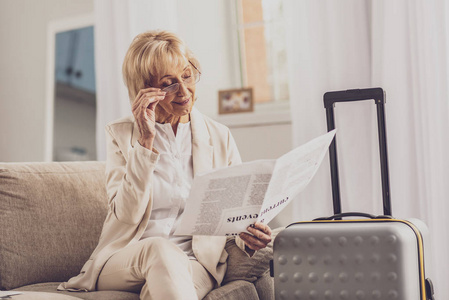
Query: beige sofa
[51, 215]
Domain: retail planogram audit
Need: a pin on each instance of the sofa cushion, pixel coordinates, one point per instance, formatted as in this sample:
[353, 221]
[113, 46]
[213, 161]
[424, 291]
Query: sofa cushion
[42, 206]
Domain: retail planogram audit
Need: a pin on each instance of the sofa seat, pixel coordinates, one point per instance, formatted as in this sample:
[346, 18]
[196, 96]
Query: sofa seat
[41, 296]
[51, 215]
[50, 288]
[238, 289]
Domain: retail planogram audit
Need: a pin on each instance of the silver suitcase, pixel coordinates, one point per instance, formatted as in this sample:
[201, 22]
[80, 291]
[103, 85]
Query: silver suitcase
[364, 257]
[375, 258]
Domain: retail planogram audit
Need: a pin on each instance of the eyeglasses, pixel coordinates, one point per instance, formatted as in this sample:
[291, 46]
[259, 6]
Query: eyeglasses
[189, 81]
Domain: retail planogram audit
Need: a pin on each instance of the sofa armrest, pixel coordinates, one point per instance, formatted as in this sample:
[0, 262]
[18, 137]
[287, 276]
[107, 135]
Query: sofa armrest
[265, 286]
[242, 267]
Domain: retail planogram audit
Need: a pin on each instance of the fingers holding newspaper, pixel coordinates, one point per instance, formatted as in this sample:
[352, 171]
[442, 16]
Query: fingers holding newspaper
[259, 238]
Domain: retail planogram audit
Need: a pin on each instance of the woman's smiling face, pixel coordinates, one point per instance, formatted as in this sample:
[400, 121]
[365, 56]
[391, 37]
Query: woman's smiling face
[179, 83]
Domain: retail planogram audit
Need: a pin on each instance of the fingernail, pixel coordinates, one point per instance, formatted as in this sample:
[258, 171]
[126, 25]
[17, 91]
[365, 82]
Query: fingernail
[252, 226]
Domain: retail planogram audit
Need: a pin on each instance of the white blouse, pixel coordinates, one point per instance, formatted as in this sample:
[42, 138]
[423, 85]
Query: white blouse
[172, 180]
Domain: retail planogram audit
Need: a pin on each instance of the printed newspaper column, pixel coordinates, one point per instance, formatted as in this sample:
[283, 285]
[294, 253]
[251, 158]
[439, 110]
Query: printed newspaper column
[224, 201]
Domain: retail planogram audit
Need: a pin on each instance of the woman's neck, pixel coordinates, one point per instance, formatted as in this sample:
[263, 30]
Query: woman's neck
[173, 120]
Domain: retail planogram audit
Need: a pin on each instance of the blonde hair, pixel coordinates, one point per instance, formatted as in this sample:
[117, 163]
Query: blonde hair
[150, 55]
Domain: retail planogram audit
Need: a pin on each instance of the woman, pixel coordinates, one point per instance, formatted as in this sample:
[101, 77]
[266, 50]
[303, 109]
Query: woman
[152, 158]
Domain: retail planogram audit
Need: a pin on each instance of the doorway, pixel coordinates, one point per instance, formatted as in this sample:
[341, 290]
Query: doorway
[71, 104]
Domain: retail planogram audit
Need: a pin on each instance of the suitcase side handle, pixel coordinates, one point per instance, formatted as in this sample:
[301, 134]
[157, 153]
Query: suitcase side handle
[352, 214]
[330, 98]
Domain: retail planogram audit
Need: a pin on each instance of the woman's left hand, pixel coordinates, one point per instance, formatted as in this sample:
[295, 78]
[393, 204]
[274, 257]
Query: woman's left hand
[259, 238]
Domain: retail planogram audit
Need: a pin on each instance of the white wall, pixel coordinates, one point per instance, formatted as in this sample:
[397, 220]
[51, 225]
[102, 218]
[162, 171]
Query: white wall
[205, 25]
[23, 33]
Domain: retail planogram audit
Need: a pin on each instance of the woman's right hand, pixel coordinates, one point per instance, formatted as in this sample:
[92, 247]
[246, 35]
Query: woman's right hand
[143, 109]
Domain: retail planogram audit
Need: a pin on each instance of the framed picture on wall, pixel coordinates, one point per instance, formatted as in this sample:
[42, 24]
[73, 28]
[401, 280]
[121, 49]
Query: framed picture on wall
[234, 101]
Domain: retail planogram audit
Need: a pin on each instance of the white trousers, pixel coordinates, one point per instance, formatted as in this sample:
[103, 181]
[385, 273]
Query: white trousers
[157, 269]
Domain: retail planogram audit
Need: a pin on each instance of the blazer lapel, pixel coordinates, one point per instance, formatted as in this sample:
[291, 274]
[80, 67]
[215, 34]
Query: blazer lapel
[135, 135]
[209, 250]
[202, 150]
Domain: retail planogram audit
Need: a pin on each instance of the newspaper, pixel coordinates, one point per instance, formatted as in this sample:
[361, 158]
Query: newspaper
[226, 201]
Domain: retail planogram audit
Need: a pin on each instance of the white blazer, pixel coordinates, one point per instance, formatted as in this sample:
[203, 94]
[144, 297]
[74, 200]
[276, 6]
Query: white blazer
[129, 172]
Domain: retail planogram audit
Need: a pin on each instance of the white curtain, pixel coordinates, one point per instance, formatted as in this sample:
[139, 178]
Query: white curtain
[117, 22]
[402, 47]
[410, 60]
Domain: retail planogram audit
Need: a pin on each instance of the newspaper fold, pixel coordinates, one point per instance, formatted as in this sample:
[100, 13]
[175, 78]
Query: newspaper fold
[226, 201]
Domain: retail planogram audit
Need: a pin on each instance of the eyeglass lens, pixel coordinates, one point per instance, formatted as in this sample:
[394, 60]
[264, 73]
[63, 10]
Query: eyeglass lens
[173, 88]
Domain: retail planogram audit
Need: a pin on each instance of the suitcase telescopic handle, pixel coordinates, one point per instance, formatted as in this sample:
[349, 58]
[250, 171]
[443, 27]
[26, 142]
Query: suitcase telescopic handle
[378, 95]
